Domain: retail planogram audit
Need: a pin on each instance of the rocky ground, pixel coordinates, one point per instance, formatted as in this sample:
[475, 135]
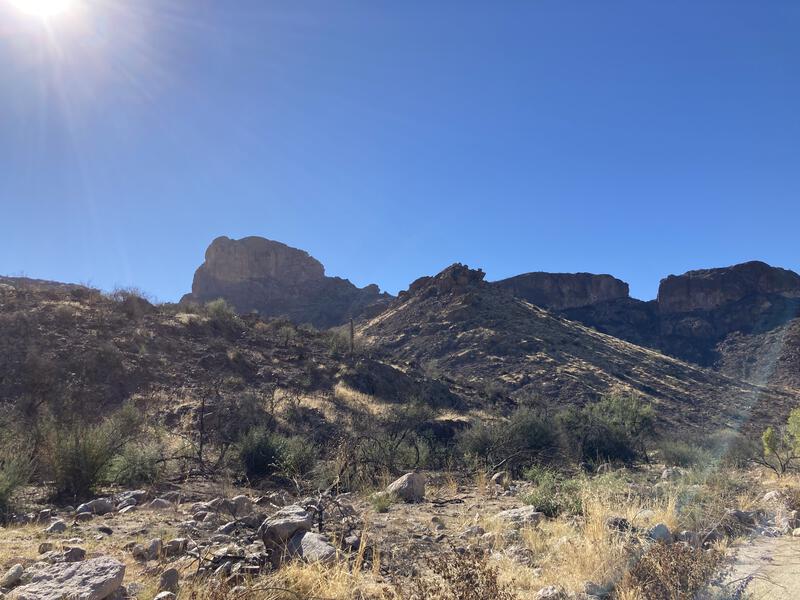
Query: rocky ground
[202, 539]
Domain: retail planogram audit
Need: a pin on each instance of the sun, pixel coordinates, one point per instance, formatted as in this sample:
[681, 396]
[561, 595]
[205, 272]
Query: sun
[43, 8]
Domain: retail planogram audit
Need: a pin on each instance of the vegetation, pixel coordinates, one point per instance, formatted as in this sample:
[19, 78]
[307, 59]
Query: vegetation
[781, 447]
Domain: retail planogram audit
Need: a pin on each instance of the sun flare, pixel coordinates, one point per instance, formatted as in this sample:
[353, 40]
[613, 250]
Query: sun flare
[43, 8]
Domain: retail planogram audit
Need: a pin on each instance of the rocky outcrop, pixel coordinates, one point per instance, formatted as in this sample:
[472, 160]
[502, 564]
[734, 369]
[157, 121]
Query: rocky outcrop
[93, 579]
[276, 280]
[560, 291]
[711, 289]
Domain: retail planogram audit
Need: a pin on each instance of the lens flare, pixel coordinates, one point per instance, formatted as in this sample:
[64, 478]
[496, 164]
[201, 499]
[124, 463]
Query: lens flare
[43, 8]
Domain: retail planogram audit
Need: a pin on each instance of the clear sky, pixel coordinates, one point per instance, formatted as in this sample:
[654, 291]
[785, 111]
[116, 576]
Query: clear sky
[389, 139]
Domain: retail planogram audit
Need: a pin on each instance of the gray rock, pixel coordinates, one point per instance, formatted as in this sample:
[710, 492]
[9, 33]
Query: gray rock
[282, 526]
[527, 516]
[311, 547]
[168, 582]
[671, 473]
[12, 576]
[45, 547]
[165, 596]
[98, 506]
[501, 478]
[83, 517]
[551, 592]
[160, 504]
[410, 487]
[93, 579]
[176, 546]
[241, 506]
[660, 533]
[56, 527]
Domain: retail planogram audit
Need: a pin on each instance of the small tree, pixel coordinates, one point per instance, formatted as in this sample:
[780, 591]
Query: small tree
[781, 447]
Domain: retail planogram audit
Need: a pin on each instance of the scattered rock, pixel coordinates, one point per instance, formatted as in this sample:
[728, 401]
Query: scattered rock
[280, 527]
[160, 504]
[660, 533]
[168, 582]
[93, 579]
[98, 506]
[527, 516]
[551, 592]
[165, 596]
[45, 547]
[501, 478]
[311, 547]
[83, 517]
[56, 527]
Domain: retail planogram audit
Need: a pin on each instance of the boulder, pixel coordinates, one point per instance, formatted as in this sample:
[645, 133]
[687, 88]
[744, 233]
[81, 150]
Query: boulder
[12, 576]
[160, 504]
[98, 506]
[527, 516]
[56, 527]
[660, 533]
[502, 478]
[311, 547]
[280, 527]
[168, 582]
[93, 579]
[410, 487]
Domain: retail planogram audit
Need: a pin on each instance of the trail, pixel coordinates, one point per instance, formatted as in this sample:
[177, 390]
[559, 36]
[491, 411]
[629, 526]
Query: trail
[773, 563]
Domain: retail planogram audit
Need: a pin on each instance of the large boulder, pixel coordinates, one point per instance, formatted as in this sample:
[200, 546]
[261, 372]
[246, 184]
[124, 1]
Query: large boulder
[98, 506]
[94, 579]
[410, 487]
[311, 547]
[284, 524]
[276, 280]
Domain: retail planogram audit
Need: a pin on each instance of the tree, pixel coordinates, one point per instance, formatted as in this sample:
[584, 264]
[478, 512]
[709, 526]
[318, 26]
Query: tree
[781, 447]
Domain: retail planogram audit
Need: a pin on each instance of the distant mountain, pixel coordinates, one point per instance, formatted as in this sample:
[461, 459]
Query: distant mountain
[493, 344]
[275, 280]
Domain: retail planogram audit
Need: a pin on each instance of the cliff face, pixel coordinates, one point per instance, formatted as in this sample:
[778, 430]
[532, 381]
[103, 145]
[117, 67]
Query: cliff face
[276, 280]
[560, 291]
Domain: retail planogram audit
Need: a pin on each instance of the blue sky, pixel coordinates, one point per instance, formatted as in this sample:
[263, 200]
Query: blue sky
[390, 139]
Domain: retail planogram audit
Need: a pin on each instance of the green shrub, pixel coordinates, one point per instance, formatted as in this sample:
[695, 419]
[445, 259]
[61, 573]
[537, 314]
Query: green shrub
[15, 470]
[297, 456]
[679, 453]
[554, 496]
[381, 501]
[77, 456]
[260, 453]
[138, 464]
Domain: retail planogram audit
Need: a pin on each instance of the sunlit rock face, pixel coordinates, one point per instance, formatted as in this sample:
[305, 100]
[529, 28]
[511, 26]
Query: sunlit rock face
[710, 289]
[560, 291]
[255, 274]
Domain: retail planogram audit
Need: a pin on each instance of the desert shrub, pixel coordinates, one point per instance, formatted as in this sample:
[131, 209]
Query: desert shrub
[381, 501]
[671, 572]
[734, 449]
[519, 441]
[458, 576]
[297, 456]
[76, 455]
[781, 446]
[137, 464]
[554, 496]
[260, 453]
[680, 453]
[616, 428]
[15, 470]
[222, 316]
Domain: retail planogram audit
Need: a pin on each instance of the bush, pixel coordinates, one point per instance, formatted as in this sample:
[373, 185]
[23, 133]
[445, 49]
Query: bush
[297, 456]
[260, 453]
[15, 470]
[76, 457]
[679, 453]
[554, 496]
[671, 572]
[138, 464]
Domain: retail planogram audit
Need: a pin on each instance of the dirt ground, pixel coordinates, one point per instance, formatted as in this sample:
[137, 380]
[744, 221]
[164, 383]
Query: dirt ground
[774, 565]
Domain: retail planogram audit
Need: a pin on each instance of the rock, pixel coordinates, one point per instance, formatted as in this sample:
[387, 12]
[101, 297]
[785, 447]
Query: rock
[241, 506]
[796, 532]
[153, 549]
[98, 506]
[176, 546]
[93, 579]
[527, 516]
[560, 291]
[44, 516]
[660, 533]
[106, 530]
[773, 496]
[83, 517]
[256, 274]
[689, 537]
[127, 509]
[45, 547]
[410, 487]
[311, 547]
[671, 473]
[74, 554]
[281, 526]
[551, 592]
[616, 523]
[168, 582]
[160, 504]
[165, 596]
[501, 478]
[12, 576]
[56, 527]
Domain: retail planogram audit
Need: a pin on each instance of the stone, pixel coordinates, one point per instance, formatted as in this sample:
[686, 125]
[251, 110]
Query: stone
[154, 548]
[560, 291]
[796, 532]
[410, 487]
[168, 582]
[45, 547]
[12, 576]
[160, 504]
[527, 516]
[773, 496]
[98, 506]
[501, 478]
[671, 473]
[241, 506]
[165, 596]
[56, 527]
[275, 280]
[311, 547]
[660, 533]
[282, 526]
[176, 546]
[84, 517]
[689, 537]
[93, 579]
[617, 523]
[550, 592]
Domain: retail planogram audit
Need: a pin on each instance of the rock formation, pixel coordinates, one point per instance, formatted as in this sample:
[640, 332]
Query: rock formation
[275, 280]
[560, 291]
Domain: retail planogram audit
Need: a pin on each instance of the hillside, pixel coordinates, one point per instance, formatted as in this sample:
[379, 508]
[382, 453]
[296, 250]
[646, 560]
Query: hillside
[493, 344]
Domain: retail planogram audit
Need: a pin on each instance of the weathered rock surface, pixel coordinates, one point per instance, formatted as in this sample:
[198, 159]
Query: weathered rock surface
[281, 526]
[256, 274]
[311, 547]
[98, 506]
[527, 516]
[12, 576]
[410, 487]
[560, 291]
[93, 579]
